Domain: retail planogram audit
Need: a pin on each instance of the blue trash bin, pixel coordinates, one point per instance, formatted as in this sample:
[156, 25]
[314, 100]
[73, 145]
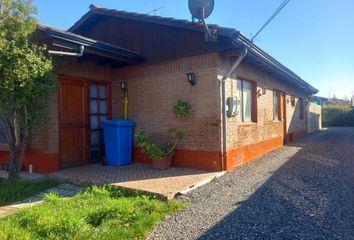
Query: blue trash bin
[118, 139]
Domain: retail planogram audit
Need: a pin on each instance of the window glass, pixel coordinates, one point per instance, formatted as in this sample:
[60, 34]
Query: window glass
[94, 122]
[239, 100]
[103, 91]
[103, 107]
[95, 137]
[247, 101]
[93, 91]
[276, 106]
[94, 106]
[103, 118]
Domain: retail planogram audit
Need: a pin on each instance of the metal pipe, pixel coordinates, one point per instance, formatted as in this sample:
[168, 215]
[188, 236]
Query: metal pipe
[79, 54]
[223, 92]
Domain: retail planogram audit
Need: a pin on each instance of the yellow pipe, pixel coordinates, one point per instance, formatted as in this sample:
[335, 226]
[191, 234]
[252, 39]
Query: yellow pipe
[125, 102]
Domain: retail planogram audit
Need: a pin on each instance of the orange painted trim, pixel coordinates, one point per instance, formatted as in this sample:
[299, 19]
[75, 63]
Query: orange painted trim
[205, 160]
[242, 155]
[41, 162]
[290, 137]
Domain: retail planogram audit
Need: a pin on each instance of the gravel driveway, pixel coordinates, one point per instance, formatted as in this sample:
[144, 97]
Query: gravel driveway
[304, 190]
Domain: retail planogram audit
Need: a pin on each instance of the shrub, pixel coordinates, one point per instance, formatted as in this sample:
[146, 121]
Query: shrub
[157, 151]
[337, 116]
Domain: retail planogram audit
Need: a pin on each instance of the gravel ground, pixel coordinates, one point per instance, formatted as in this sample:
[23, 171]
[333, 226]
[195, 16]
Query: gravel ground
[304, 190]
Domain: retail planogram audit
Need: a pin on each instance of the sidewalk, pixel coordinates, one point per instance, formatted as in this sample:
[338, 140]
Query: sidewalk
[64, 190]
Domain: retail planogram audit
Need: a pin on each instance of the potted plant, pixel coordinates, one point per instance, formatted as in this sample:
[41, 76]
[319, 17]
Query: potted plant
[160, 154]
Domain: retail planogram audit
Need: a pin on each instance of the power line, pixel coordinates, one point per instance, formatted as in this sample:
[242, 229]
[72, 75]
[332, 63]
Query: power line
[279, 9]
[155, 10]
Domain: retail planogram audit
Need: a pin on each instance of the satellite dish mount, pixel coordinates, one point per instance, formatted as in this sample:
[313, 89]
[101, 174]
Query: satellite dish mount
[201, 10]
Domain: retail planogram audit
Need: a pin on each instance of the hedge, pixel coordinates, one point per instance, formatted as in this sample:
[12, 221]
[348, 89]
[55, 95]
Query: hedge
[338, 116]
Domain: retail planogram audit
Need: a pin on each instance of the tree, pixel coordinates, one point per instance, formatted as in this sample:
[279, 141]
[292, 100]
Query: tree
[25, 78]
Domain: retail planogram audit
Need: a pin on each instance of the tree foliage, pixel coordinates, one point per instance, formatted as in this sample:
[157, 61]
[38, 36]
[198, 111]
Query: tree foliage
[338, 116]
[25, 77]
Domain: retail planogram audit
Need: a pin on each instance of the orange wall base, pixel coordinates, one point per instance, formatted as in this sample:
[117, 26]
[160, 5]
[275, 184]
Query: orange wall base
[205, 160]
[41, 162]
[212, 161]
[245, 154]
[290, 137]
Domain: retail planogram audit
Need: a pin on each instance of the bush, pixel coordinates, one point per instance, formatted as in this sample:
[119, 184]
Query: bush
[338, 116]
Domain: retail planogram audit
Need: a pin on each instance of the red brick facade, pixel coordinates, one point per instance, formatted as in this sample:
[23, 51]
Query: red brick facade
[153, 91]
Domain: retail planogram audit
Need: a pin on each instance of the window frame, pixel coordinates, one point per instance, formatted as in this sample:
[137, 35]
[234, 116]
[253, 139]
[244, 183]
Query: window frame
[278, 94]
[253, 97]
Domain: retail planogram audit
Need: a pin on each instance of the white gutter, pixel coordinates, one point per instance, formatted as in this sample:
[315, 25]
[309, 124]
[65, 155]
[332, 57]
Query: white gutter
[79, 54]
[223, 87]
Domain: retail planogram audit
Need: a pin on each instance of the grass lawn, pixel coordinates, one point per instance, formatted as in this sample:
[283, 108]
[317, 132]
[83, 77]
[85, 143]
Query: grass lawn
[98, 213]
[15, 190]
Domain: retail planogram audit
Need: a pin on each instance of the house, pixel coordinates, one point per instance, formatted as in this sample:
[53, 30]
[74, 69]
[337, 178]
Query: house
[330, 101]
[153, 54]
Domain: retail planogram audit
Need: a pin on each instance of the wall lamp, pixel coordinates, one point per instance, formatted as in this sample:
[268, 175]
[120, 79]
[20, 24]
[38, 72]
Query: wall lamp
[191, 78]
[292, 100]
[124, 86]
[262, 91]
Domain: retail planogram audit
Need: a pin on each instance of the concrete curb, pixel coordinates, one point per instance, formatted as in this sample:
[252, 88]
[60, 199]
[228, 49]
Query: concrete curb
[200, 184]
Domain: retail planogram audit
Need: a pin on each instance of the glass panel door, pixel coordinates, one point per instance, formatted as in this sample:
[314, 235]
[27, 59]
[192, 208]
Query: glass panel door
[98, 113]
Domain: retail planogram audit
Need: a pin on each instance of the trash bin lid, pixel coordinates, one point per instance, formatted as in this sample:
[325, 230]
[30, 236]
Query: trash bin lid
[118, 123]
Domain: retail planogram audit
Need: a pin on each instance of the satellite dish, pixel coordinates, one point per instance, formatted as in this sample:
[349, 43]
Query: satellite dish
[201, 9]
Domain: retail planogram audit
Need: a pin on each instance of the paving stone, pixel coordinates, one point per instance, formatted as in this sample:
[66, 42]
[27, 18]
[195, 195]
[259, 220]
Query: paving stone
[137, 176]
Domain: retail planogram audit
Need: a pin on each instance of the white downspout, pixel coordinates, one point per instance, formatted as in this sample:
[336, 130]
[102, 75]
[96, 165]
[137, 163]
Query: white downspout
[223, 87]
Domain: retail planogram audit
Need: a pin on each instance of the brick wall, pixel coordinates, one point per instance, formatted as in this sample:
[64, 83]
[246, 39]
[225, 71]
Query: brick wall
[155, 89]
[243, 134]
[46, 139]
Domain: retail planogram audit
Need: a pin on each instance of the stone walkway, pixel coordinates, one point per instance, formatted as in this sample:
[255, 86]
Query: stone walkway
[167, 183]
[64, 190]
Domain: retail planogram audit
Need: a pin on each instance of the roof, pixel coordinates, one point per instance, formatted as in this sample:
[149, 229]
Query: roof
[255, 56]
[91, 46]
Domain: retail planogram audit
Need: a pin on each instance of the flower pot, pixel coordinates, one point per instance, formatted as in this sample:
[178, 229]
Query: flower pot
[163, 163]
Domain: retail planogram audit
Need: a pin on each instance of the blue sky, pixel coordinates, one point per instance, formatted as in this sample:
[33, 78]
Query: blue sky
[313, 38]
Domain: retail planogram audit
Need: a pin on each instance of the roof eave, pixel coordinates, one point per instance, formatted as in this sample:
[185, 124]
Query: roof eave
[128, 56]
[263, 56]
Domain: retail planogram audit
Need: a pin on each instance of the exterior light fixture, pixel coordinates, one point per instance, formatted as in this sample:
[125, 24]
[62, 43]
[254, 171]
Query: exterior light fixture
[292, 100]
[262, 91]
[124, 86]
[191, 78]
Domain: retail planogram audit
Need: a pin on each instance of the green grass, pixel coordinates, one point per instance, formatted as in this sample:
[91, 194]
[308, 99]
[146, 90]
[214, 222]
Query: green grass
[16, 190]
[98, 213]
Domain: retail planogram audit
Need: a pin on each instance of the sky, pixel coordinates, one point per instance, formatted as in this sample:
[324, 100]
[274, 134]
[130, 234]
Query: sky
[313, 38]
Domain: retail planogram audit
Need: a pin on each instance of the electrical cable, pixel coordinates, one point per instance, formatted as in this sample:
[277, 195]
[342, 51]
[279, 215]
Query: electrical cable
[277, 11]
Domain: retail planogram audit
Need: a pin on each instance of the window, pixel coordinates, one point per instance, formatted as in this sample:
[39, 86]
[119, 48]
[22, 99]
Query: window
[98, 113]
[301, 108]
[245, 105]
[276, 104]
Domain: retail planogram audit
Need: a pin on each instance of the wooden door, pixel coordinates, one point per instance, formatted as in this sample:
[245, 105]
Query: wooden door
[72, 122]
